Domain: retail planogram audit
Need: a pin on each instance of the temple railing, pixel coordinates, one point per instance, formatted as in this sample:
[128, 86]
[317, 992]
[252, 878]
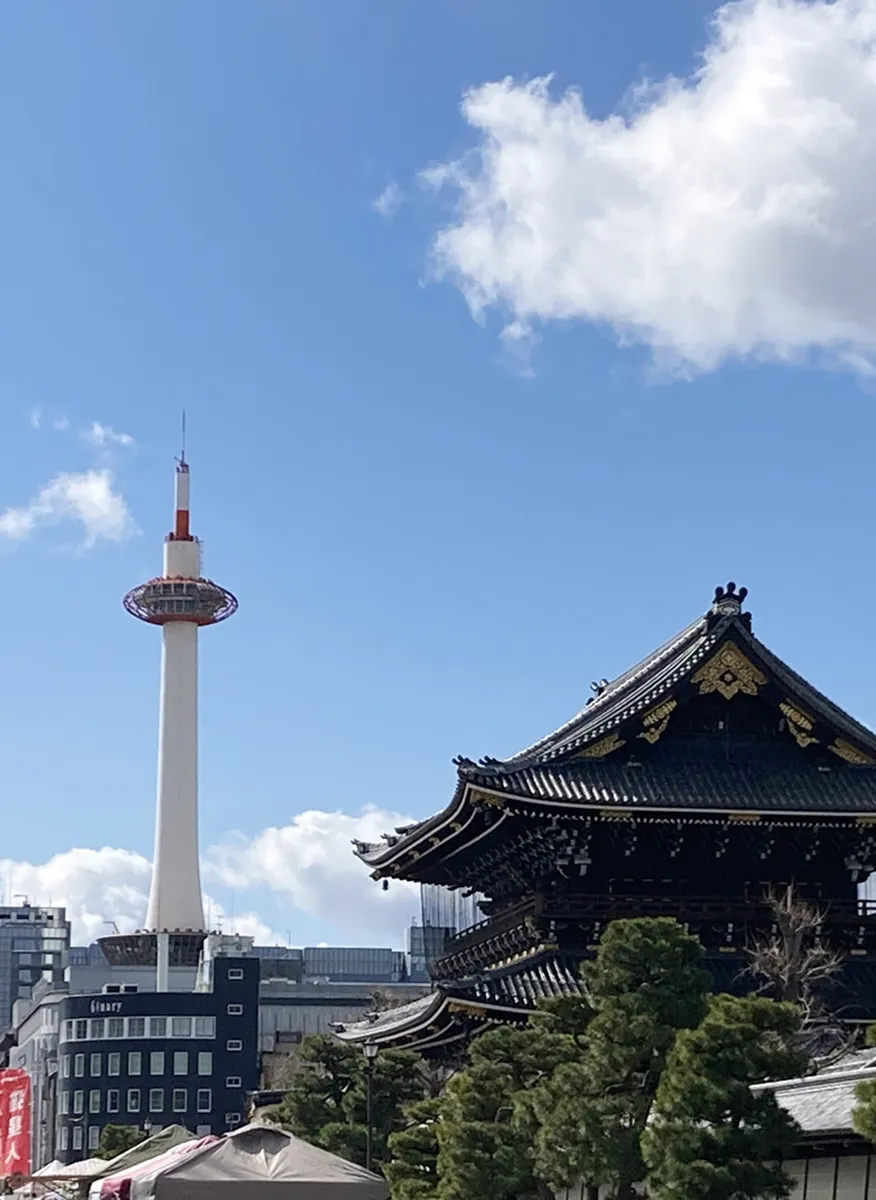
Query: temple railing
[538, 920]
[503, 922]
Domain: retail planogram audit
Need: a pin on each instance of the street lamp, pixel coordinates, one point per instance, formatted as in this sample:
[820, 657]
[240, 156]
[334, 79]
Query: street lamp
[370, 1050]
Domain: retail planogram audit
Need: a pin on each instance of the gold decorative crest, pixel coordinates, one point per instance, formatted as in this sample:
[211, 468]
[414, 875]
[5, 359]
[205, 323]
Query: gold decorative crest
[729, 672]
[656, 720]
[467, 1010]
[799, 724]
[851, 753]
[602, 747]
[485, 800]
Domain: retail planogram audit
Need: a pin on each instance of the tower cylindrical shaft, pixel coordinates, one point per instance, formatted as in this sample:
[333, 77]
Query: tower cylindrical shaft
[175, 897]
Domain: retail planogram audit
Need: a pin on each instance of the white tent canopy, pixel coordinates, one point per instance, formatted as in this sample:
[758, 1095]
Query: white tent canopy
[256, 1162]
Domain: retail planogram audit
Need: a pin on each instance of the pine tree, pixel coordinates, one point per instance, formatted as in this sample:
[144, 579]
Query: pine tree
[326, 1104]
[412, 1169]
[644, 985]
[710, 1136]
[485, 1146]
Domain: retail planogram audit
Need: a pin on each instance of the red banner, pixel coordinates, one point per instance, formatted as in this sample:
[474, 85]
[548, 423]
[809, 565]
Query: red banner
[14, 1122]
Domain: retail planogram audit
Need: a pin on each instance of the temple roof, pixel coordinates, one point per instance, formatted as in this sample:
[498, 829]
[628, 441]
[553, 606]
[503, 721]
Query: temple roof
[815, 759]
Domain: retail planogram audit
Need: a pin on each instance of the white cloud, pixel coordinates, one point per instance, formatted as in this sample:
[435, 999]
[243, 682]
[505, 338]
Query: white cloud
[87, 497]
[104, 435]
[389, 201]
[60, 424]
[105, 888]
[35, 417]
[727, 214]
[309, 866]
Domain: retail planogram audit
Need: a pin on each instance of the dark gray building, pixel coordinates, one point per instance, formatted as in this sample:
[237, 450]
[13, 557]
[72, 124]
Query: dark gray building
[34, 944]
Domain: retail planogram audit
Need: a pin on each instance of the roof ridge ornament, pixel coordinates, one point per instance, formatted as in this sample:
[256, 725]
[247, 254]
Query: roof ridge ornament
[728, 602]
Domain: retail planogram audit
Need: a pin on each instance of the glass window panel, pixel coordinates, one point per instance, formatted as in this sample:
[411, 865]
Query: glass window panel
[156, 1100]
[135, 1063]
[181, 1027]
[158, 1026]
[113, 1064]
[136, 1027]
[180, 1099]
[205, 1100]
[205, 1063]
[94, 1101]
[95, 1065]
[180, 1062]
[133, 1100]
[156, 1062]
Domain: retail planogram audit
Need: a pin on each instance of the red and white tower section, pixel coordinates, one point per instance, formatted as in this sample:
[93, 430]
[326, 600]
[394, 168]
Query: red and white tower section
[181, 601]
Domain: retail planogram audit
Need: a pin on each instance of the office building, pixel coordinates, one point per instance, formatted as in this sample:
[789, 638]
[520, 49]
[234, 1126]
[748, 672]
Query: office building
[34, 941]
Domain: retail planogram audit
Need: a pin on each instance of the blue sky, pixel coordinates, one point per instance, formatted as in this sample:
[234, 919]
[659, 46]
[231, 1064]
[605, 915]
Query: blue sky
[438, 535]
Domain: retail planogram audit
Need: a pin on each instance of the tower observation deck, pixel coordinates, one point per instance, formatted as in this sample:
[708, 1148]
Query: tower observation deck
[181, 601]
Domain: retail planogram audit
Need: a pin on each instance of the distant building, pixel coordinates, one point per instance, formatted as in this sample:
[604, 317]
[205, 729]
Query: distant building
[34, 944]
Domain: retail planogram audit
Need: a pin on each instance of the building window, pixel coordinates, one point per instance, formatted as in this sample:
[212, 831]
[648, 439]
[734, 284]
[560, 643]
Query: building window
[81, 1031]
[156, 1062]
[233, 1081]
[63, 1103]
[77, 1137]
[180, 1062]
[158, 1026]
[180, 1099]
[234, 1044]
[115, 1027]
[235, 1010]
[67, 1035]
[78, 1065]
[97, 1028]
[136, 1027]
[135, 1063]
[203, 1131]
[95, 1066]
[93, 1137]
[181, 1027]
[205, 1027]
[205, 1099]
[65, 1066]
[133, 1100]
[78, 1102]
[205, 1063]
[114, 1064]
[63, 1138]
[94, 1101]
[232, 1119]
[235, 973]
[112, 1100]
[156, 1099]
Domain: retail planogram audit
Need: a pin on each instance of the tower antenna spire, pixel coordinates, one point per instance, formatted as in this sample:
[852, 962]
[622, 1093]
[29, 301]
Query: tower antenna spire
[182, 456]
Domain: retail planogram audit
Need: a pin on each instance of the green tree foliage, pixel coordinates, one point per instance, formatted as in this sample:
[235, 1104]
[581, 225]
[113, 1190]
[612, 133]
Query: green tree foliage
[412, 1169]
[116, 1139]
[864, 1114]
[711, 1137]
[485, 1149]
[326, 1104]
[644, 985]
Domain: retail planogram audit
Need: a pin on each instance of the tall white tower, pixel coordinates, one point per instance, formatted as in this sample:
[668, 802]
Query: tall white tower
[180, 601]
